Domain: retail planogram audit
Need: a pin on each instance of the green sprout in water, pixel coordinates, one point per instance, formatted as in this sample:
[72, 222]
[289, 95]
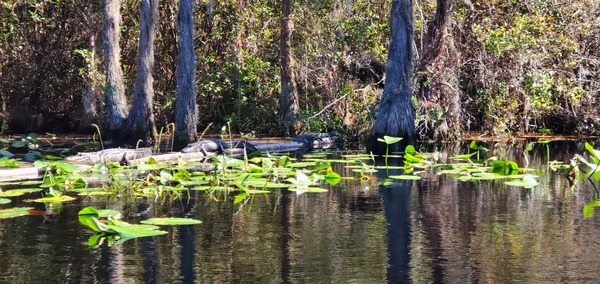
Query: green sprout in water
[388, 140]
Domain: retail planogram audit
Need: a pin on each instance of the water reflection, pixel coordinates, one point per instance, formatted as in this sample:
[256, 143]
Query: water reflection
[437, 229]
[397, 206]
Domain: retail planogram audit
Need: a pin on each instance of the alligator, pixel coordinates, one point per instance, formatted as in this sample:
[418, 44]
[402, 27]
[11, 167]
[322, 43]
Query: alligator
[124, 156]
[206, 146]
[110, 155]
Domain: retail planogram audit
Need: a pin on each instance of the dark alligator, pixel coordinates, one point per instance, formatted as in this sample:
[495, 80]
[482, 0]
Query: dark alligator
[206, 146]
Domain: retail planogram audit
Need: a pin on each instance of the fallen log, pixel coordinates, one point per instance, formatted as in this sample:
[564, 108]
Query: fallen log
[137, 156]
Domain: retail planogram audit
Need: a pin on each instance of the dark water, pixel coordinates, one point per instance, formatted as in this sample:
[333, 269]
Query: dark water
[434, 230]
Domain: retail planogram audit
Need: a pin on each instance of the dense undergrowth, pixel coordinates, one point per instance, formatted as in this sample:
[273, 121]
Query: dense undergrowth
[513, 66]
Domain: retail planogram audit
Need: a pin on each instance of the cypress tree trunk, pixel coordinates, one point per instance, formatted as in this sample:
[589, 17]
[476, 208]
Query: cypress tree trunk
[90, 94]
[140, 122]
[116, 104]
[186, 116]
[434, 73]
[396, 114]
[288, 98]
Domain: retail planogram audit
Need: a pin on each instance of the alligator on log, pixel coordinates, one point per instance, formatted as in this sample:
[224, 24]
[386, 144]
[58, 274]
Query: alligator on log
[207, 147]
[110, 155]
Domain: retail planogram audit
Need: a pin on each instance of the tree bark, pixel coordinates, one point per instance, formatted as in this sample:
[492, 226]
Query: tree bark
[186, 116]
[396, 114]
[116, 104]
[89, 98]
[436, 33]
[140, 122]
[434, 74]
[288, 98]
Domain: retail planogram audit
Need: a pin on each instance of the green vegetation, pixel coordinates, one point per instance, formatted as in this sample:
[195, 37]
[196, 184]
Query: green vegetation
[514, 66]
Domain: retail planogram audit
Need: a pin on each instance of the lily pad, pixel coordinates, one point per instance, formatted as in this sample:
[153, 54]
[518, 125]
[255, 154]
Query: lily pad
[14, 212]
[55, 199]
[11, 193]
[4, 200]
[308, 189]
[171, 221]
[526, 182]
[405, 177]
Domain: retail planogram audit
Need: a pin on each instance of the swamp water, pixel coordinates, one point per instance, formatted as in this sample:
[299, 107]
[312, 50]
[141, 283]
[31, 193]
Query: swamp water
[437, 229]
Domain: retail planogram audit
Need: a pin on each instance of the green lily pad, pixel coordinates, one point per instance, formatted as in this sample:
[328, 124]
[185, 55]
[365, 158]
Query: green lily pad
[405, 177]
[389, 139]
[308, 189]
[171, 221]
[11, 193]
[4, 200]
[102, 213]
[526, 182]
[127, 230]
[210, 188]
[55, 199]
[14, 212]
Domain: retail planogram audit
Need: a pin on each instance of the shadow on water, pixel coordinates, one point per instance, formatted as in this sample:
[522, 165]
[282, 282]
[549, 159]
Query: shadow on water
[397, 206]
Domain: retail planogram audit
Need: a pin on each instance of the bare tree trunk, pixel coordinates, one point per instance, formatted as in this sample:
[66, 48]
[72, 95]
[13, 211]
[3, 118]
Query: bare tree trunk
[186, 116]
[435, 78]
[116, 104]
[288, 98]
[396, 114]
[436, 33]
[140, 122]
[89, 98]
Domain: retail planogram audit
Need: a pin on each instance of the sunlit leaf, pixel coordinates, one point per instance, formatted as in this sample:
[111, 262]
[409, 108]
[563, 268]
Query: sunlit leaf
[463, 156]
[4, 200]
[171, 221]
[389, 139]
[14, 212]
[55, 199]
[526, 182]
[588, 209]
[595, 153]
[405, 177]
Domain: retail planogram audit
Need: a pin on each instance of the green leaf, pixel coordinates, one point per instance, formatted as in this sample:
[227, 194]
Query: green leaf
[332, 178]
[8, 163]
[526, 182]
[588, 209]
[405, 177]
[171, 221]
[544, 130]
[14, 212]
[412, 159]
[308, 189]
[505, 167]
[410, 149]
[6, 154]
[595, 153]
[240, 197]
[53, 158]
[11, 193]
[463, 156]
[389, 139]
[4, 200]
[55, 199]
[130, 231]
